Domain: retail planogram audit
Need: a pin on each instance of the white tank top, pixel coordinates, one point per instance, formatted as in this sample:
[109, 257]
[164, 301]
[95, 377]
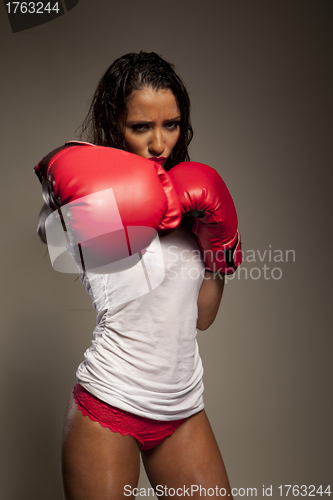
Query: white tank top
[144, 357]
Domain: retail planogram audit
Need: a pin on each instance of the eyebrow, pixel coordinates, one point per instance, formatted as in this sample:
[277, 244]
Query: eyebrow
[138, 122]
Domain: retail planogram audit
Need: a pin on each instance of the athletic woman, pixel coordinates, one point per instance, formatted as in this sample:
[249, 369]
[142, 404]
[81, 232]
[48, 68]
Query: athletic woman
[139, 388]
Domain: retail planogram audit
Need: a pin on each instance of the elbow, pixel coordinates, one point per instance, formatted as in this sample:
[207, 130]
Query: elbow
[204, 321]
[203, 325]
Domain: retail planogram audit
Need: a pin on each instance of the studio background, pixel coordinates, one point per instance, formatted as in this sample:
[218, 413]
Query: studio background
[259, 74]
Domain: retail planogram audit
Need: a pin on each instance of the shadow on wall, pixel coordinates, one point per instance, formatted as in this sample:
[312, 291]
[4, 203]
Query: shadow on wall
[26, 15]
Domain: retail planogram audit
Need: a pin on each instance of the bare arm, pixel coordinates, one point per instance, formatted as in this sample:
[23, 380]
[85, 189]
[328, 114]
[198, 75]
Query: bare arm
[209, 299]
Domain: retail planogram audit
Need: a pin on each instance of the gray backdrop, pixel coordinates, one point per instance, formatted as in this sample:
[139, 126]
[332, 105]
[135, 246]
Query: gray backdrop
[259, 74]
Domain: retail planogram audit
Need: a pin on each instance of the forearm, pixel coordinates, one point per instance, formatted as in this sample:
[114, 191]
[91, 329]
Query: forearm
[209, 299]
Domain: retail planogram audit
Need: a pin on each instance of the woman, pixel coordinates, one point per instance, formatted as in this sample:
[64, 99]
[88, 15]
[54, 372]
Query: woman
[150, 400]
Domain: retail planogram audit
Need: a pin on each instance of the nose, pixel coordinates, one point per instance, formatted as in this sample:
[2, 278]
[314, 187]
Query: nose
[156, 145]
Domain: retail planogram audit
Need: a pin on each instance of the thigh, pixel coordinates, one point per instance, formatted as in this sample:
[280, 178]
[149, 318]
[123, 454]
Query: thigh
[190, 461]
[96, 462]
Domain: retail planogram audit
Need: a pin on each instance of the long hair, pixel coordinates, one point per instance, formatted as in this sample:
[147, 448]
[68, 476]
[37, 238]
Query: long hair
[132, 72]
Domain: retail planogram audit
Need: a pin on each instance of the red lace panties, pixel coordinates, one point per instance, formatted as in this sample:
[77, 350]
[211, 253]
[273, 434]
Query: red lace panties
[149, 432]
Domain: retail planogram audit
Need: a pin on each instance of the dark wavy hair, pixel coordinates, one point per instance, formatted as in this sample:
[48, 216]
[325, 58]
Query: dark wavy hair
[132, 72]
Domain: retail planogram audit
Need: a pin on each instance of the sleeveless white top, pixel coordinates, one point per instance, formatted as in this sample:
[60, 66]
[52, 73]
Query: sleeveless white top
[144, 357]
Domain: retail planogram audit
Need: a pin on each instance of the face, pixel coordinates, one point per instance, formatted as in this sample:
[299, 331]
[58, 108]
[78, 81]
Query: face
[152, 126]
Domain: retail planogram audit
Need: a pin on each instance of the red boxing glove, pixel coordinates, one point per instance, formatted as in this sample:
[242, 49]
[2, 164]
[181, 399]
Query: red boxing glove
[203, 195]
[113, 202]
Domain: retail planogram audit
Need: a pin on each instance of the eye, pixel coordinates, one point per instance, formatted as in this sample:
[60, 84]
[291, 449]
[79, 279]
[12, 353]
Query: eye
[172, 125]
[139, 127]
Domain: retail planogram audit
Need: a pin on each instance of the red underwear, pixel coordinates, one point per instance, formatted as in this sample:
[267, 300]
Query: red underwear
[149, 432]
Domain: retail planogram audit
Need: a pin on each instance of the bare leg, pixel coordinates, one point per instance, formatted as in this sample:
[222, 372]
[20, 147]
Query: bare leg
[96, 462]
[189, 458]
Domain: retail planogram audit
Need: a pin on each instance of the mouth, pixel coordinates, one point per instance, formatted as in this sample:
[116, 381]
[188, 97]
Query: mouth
[161, 159]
